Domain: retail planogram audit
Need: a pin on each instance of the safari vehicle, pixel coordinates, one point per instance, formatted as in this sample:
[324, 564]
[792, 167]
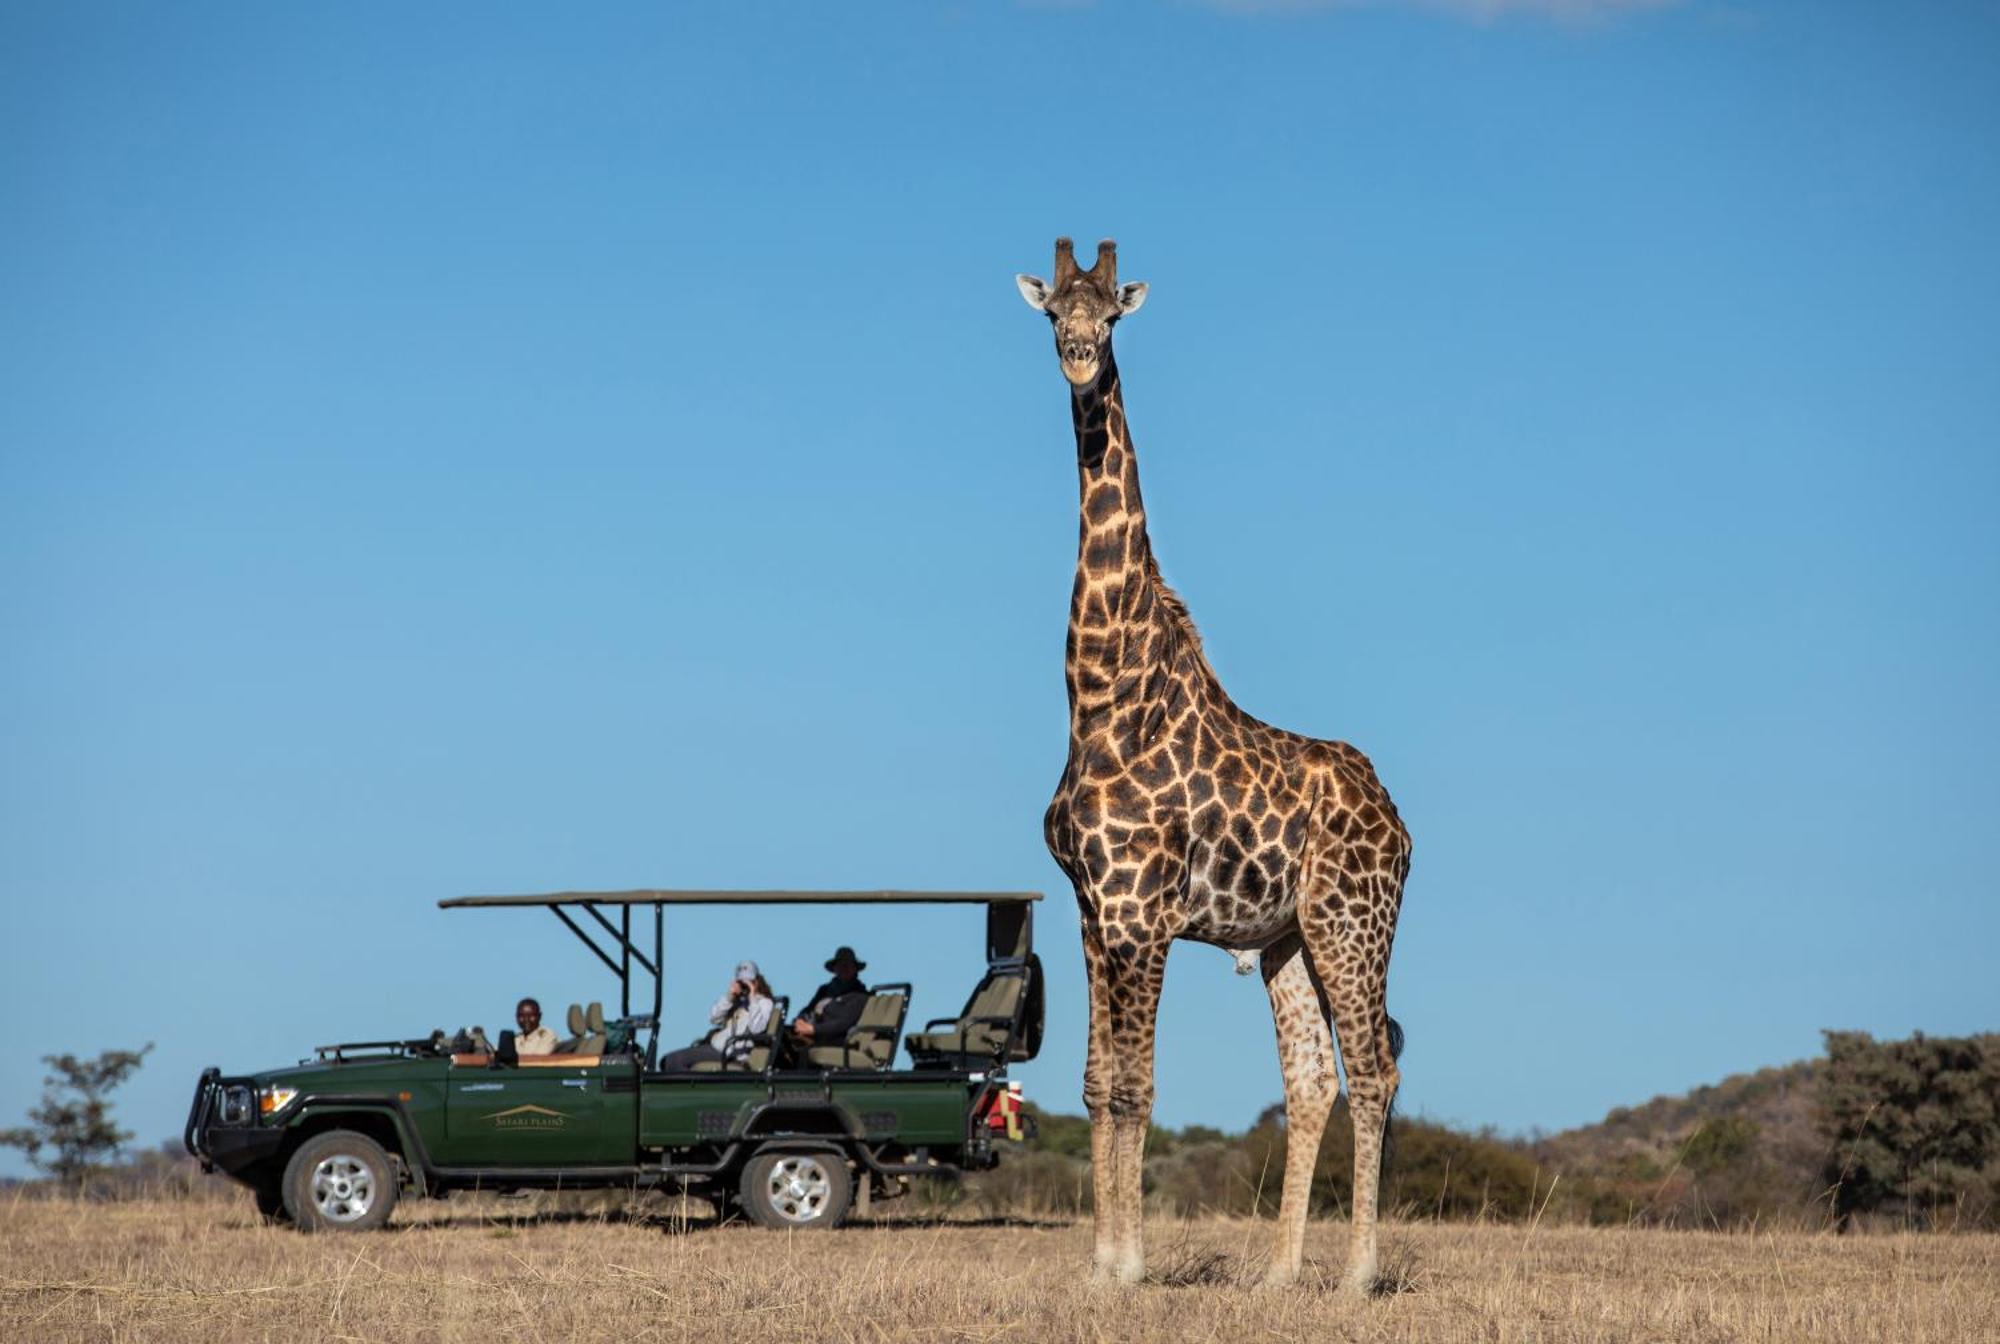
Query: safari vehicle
[793, 1139]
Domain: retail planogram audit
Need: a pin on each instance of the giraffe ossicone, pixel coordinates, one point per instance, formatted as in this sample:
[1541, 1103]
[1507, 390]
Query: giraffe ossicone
[1180, 816]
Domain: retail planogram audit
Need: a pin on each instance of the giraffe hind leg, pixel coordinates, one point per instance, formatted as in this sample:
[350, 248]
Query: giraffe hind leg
[1351, 962]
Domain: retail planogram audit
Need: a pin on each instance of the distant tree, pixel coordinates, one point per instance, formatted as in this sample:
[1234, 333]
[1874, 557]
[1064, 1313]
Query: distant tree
[1913, 1127]
[74, 1117]
[1719, 1144]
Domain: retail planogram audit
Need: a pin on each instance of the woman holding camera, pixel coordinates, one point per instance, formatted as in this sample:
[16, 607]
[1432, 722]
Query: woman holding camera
[739, 1017]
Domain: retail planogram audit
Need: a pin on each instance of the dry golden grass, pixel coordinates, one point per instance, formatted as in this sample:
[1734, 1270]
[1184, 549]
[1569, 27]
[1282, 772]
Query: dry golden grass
[493, 1270]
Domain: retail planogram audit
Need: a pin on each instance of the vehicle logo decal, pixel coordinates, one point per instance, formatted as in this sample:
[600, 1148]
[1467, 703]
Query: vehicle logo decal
[483, 1087]
[527, 1117]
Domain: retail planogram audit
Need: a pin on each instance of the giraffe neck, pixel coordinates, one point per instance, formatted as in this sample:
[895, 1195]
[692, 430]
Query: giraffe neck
[1120, 640]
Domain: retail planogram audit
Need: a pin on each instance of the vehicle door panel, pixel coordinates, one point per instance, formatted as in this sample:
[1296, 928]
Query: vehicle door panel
[551, 1116]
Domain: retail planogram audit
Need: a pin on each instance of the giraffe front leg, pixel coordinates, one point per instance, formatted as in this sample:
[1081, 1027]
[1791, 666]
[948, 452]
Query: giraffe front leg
[1305, 1056]
[1097, 1105]
[1137, 971]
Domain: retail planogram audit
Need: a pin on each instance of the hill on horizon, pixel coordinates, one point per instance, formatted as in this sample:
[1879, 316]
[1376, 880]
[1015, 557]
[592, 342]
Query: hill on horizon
[1778, 1099]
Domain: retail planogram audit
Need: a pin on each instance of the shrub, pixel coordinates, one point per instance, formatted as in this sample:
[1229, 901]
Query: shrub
[73, 1120]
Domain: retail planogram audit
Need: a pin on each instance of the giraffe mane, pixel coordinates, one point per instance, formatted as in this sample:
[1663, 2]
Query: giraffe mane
[1178, 619]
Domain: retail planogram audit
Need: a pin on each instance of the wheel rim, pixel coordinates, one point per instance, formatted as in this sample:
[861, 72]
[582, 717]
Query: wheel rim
[798, 1189]
[343, 1188]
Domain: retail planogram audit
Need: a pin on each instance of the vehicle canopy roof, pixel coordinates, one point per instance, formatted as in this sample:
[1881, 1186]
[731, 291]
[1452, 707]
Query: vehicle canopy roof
[750, 898]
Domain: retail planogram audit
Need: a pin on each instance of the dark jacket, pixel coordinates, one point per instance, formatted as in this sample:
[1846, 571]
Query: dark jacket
[834, 1009]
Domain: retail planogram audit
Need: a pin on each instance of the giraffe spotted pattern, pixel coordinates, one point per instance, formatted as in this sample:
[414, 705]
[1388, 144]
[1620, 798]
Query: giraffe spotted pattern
[1180, 816]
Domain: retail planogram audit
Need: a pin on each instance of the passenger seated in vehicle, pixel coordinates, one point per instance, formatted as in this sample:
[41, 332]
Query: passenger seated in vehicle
[740, 1017]
[532, 1038]
[836, 1005]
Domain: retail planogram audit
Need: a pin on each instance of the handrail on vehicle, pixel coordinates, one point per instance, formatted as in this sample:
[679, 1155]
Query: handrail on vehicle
[197, 1122]
[338, 1053]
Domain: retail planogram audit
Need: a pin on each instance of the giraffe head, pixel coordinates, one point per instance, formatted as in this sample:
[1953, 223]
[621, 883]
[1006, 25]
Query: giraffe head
[1083, 306]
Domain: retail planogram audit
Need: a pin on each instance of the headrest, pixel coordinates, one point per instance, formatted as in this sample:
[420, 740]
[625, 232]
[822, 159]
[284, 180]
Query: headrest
[576, 1027]
[593, 1019]
[882, 1009]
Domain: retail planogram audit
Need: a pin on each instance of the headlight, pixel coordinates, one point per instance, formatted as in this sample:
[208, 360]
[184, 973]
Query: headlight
[274, 1099]
[235, 1105]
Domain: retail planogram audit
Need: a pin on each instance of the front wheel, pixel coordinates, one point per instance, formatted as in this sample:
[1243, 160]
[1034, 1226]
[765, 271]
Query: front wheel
[796, 1190]
[339, 1181]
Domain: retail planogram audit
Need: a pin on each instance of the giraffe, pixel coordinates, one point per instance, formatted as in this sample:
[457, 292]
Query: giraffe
[1180, 816]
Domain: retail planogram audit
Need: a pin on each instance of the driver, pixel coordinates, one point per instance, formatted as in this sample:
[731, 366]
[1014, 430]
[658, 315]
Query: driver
[533, 1038]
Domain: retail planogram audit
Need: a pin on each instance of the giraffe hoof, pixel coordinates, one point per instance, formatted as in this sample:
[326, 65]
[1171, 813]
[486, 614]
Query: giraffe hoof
[1118, 1273]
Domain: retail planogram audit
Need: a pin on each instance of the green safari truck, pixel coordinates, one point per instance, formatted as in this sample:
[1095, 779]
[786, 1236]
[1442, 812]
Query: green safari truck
[794, 1134]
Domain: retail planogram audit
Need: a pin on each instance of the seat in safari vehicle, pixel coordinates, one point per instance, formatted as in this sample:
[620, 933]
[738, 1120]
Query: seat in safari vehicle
[586, 1031]
[1002, 1019]
[871, 1042]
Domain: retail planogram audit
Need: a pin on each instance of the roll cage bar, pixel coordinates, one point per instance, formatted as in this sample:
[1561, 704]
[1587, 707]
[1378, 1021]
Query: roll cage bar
[1009, 925]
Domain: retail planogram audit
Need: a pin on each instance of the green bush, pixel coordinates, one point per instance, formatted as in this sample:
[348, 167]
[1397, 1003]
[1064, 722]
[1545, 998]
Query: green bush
[1913, 1128]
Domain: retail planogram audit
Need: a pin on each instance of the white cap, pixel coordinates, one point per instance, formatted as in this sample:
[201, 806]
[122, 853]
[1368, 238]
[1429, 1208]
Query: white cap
[747, 970]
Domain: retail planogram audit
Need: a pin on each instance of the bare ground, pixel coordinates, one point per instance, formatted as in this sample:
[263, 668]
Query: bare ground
[491, 1270]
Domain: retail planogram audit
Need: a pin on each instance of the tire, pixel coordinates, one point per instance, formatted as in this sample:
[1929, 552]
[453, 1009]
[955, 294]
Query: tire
[797, 1191]
[339, 1181]
[271, 1203]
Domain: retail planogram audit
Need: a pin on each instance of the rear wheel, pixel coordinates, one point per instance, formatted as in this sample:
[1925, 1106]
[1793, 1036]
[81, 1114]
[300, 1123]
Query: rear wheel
[339, 1181]
[796, 1190]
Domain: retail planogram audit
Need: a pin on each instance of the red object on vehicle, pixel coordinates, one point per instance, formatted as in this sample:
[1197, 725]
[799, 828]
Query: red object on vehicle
[1002, 1111]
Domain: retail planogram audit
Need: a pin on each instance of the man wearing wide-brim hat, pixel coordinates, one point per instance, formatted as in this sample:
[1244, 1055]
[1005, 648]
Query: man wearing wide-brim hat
[836, 1005]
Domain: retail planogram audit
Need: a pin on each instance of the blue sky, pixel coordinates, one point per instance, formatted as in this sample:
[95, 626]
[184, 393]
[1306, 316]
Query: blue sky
[502, 449]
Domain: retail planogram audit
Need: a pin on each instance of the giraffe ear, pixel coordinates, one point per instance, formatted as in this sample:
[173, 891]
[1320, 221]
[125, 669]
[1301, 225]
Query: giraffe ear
[1034, 291]
[1130, 297]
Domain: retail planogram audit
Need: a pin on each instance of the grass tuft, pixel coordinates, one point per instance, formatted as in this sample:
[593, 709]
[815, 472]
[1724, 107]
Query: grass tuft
[1189, 1266]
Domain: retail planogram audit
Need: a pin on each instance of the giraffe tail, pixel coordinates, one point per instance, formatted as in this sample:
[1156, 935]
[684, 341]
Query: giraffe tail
[1389, 1118]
